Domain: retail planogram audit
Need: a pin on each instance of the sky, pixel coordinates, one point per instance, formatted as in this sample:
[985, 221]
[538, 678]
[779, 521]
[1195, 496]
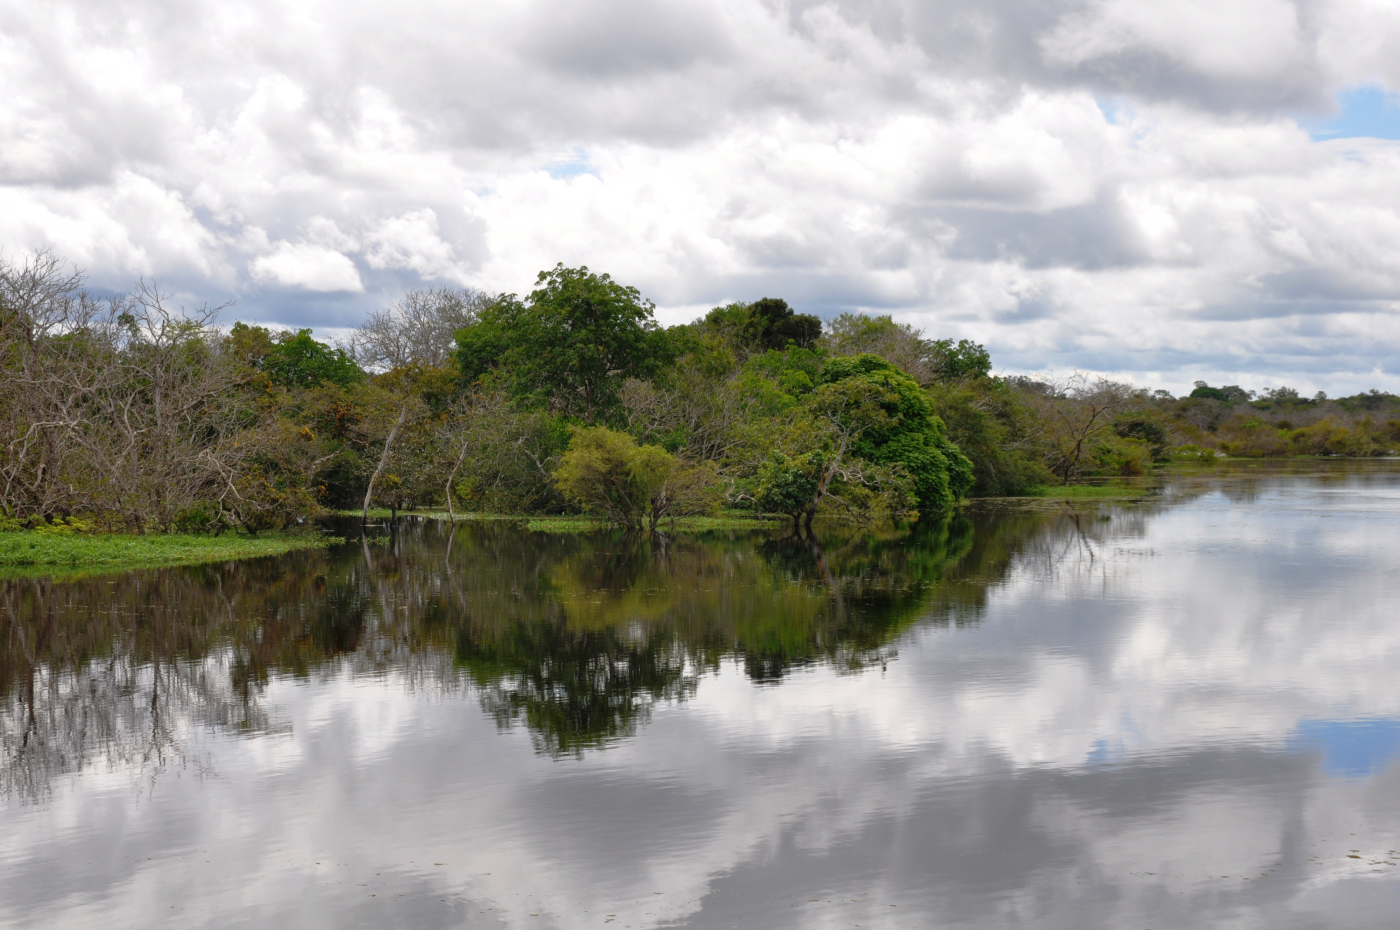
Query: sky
[1158, 192]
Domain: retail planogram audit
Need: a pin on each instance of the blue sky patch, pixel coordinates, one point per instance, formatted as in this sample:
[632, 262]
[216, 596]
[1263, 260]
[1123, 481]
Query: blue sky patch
[1350, 748]
[1362, 112]
[575, 164]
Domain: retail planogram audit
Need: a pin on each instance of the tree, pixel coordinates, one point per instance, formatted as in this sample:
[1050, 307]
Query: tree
[1229, 394]
[505, 457]
[132, 413]
[418, 328]
[773, 324]
[906, 433]
[830, 423]
[608, 474]
[1075, 415]
[568, 347]
[792, 485]
[767, 324]
[297, 360]
[927, 361]
[996, 430]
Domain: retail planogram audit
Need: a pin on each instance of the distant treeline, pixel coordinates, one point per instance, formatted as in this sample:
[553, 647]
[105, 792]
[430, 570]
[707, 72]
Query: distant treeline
[125, 413]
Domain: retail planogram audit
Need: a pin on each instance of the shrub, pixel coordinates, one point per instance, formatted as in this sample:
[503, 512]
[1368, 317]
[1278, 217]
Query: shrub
[606, 473]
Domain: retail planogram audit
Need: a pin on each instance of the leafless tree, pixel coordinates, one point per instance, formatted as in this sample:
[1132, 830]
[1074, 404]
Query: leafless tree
[383, 460]
[708, 412]
[504, 455]
[1073, 412]
[417, 328]
[123, 408]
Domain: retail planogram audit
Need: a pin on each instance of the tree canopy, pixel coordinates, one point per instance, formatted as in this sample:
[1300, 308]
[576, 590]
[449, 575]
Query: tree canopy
[122, 411]
[909, 435]
[568, 346]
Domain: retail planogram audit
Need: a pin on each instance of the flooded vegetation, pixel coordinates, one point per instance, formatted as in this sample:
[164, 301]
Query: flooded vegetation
[1174, 710]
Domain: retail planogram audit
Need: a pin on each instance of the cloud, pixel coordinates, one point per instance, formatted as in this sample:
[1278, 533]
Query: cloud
[306, 266]
[411, 241]
[1050, 180]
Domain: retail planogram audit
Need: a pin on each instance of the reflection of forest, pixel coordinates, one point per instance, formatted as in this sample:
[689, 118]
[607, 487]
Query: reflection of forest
[577, 636]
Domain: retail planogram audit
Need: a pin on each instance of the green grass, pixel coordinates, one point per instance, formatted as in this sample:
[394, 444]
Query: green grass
[31, 552]
[584, 524]
[543, 523]
[576, 523]
[1109, 491]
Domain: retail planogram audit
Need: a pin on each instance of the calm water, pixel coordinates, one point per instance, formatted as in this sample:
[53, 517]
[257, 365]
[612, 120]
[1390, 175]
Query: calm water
[1179, 712]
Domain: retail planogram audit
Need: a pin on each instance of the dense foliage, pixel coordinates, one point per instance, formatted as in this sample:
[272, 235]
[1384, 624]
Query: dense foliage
[568, 346]
[124, 413]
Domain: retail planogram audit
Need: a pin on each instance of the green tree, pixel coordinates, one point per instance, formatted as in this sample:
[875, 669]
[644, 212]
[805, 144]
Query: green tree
[766, 324]
[927, 361]
[1230, 393]
[908, 435]
[294, 360]
[568, 347]
[773, 324]
[791, 485]
[830, 422]
[996, 431]
[608, 474]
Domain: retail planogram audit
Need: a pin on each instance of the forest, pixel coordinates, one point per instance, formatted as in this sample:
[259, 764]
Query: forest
[123, 413]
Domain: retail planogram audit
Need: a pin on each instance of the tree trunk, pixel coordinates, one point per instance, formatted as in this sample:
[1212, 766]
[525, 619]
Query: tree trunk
[451, 516]
[383, 460]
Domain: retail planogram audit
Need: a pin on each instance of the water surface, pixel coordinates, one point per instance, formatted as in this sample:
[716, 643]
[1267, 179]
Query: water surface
[1181, 711]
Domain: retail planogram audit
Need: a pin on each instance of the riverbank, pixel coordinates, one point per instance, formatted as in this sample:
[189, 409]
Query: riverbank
[579, 523]
[29, 552]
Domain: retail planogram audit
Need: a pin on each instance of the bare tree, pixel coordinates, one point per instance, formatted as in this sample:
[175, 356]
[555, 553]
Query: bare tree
[46, 375]
[1074, 412]
[417, 328]
[506, 456]
[123, 408]
[709, 416]
[383, 460]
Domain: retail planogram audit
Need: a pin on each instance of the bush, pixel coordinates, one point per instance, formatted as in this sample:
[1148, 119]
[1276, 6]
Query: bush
[607, 474]
[1121, 458]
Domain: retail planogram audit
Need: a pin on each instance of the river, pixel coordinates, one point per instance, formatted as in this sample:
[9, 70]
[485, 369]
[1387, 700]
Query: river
[1176, 711]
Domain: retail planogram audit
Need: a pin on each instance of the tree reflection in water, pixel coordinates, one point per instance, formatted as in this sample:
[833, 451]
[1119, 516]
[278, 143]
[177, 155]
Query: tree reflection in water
[575, 636]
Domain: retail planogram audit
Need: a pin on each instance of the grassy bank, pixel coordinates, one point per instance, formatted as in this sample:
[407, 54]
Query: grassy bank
[33, 551]
[1113, 490]
[681, 524]
[583, 524]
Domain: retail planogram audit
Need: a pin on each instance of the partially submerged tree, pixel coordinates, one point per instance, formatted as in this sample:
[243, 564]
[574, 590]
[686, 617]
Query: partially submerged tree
[503, 457]
[905, 433]
[861, 438]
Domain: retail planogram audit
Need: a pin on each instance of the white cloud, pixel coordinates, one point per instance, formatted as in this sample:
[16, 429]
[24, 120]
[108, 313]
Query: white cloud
[412, 241]
[309, 267]
[1243, 38]
[950, 165]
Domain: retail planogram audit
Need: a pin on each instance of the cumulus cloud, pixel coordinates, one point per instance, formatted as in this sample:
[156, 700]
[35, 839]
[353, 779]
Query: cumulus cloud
[411, 241]
[307, 266]
[1105, 184]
